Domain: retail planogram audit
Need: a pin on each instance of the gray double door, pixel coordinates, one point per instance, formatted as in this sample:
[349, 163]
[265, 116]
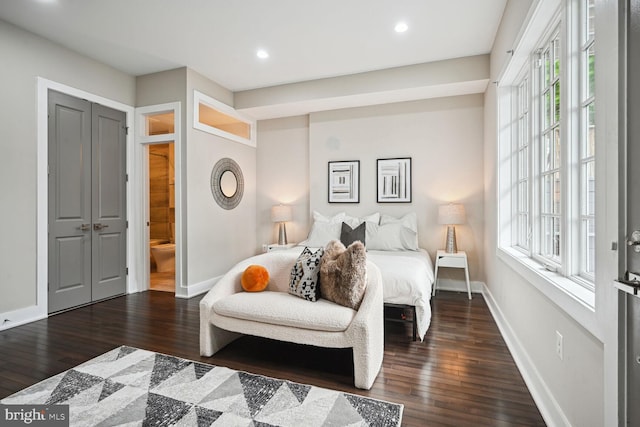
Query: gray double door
[633, 213]
[87, 202]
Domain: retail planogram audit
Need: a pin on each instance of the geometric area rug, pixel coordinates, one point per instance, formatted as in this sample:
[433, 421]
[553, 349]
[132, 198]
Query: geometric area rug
[129, 386]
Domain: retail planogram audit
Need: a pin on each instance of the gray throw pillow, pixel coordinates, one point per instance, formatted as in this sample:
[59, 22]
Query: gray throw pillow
[305, 275]
[350, 235]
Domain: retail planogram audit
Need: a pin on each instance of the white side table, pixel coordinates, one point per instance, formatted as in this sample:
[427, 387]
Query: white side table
[276, 247]
[453, 260]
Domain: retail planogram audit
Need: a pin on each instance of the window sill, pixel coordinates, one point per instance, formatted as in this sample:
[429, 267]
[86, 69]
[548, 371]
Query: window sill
[575, 300]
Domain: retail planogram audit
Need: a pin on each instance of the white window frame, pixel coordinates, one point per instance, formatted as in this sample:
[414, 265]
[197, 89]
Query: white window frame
[543, 254]
[562, 281]
[522, 147]
[586, 100]
[201, 98]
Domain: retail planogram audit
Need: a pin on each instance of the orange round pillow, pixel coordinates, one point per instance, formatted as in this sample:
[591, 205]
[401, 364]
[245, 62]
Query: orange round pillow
[255, 278]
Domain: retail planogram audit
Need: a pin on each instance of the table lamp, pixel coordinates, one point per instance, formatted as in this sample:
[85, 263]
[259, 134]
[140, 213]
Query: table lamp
[451, 215]
[281, 214]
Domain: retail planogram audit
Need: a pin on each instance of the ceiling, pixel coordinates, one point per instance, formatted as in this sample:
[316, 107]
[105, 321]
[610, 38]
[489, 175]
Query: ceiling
[306, 39]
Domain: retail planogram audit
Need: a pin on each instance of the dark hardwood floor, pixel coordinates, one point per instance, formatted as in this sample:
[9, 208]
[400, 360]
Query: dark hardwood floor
[461, 375]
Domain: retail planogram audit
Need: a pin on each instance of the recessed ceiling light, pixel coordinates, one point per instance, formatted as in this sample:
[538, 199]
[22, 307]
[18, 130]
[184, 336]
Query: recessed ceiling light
[401, 27]
[262, 54]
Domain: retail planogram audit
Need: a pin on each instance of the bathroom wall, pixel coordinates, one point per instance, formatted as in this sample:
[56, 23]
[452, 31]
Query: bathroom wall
[161, 191]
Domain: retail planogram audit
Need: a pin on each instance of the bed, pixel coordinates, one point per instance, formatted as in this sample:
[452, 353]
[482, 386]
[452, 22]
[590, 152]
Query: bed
[407, 280]
[392, 244]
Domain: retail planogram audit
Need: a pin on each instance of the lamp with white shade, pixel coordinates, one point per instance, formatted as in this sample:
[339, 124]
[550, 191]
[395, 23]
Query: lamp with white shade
[451, 215]
[281, 214]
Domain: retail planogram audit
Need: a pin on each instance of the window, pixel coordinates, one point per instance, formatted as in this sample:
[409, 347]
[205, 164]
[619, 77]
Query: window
[523, 227]
[549, 152]
[550, 165]
[587, 141]
[217, 118]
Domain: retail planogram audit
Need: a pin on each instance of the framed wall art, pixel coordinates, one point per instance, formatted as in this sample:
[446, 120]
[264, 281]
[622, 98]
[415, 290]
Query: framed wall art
[344, 182]
[394, 180]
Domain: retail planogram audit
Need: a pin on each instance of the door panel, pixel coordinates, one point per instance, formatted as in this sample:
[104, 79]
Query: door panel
[69, 203]
[87, 202]
[109, 202]
[633, 211]
[71, 261]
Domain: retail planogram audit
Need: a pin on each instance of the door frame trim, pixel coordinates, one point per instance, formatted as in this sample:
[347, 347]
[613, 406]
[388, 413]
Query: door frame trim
[42, 189]
[140, 181]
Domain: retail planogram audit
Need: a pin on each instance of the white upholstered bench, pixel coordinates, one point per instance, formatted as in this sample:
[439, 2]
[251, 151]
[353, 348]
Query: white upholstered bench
[227, 311]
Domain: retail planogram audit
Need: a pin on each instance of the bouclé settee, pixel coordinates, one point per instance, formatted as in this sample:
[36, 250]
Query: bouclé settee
[226, 312]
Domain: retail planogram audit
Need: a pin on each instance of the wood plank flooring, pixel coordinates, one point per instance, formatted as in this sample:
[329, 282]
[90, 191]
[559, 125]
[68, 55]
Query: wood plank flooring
[461, 375]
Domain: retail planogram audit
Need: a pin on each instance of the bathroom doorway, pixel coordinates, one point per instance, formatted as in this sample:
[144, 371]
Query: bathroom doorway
[162, 213]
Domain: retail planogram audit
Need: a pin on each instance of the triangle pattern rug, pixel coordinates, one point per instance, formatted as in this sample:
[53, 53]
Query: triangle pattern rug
[139, 387]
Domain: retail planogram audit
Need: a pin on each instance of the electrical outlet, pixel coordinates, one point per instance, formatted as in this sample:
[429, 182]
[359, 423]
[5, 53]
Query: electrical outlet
[264, 247]
[559, 345]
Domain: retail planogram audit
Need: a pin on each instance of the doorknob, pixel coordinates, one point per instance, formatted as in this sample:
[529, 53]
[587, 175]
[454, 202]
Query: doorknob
[98, 226]
[85, 227]
[634, 240]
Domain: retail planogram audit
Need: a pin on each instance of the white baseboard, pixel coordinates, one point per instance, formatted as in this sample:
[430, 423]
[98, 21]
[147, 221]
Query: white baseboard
[198, 288]
[14, 318]
[548, 406]
[459, 285]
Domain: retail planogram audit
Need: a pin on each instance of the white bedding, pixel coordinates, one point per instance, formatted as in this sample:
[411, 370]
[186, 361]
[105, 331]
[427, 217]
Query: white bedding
[407, 278]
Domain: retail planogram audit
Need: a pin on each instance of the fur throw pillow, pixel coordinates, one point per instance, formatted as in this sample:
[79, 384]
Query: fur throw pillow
[343, 273]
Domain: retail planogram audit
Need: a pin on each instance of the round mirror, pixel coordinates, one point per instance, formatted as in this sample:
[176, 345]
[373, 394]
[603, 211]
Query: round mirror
[228, 183]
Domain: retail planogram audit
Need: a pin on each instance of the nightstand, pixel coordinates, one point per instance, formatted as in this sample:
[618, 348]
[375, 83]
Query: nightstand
[452, 260]
[276, 247]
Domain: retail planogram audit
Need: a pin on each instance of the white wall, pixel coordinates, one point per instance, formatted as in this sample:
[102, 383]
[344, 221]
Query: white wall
[27, 56]
[444, 138]
[283, 176]
[216, 238]
[569, 391]
[450, 77]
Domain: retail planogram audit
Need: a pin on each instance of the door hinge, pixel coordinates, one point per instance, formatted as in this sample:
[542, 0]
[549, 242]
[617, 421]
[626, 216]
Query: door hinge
[126, 177]
[126, 130]
[126, 271]
[127, 224]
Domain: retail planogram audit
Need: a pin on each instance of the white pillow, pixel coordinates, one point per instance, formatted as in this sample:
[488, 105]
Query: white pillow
[324, 230]
[410, 221]
[337, 218]
[322, 233]
[394, 234]
[353, 221]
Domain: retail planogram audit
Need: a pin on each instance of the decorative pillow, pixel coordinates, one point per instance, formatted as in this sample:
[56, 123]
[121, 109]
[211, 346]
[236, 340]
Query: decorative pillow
[255, 278]
[343, 274]
[323, 230]
[305, 275]
[350, 235]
